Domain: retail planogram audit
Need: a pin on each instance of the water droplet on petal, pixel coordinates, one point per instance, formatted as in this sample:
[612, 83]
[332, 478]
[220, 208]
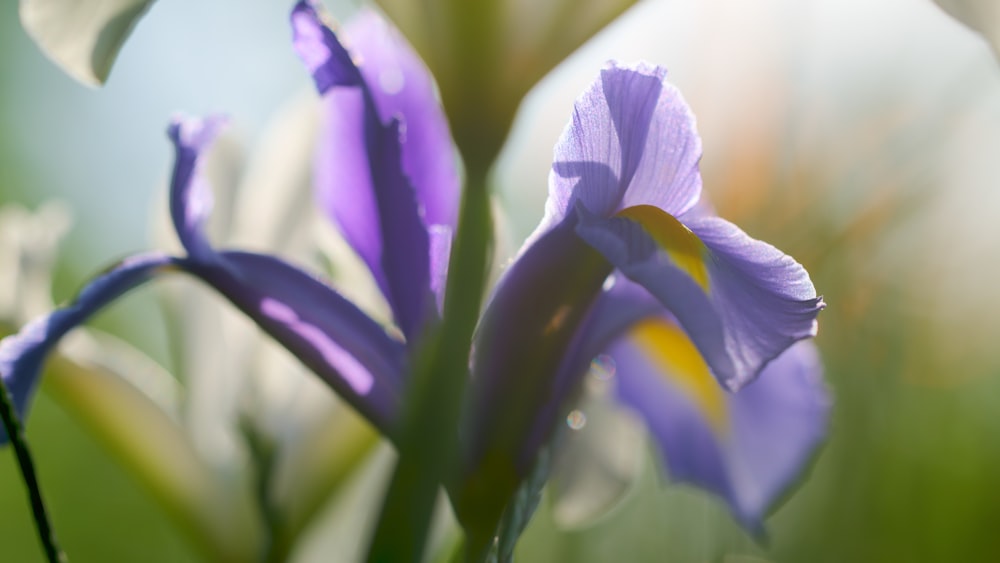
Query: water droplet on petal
[576, 420]
[603, 367]
[609, 282]
[391, 80]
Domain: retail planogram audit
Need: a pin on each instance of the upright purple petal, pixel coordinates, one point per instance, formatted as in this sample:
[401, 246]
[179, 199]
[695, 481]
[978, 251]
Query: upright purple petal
[190, 197]
[23, 354]
[402, 87]
[748, 447]
[742, 301]
[361, 178]
[631, 140]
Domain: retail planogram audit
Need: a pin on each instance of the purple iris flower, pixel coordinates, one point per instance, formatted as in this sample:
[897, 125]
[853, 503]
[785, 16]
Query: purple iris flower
[706, 303]
[702, 304]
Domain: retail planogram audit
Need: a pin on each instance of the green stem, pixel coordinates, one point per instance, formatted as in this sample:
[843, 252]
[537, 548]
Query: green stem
[428, 438]
[16, 434]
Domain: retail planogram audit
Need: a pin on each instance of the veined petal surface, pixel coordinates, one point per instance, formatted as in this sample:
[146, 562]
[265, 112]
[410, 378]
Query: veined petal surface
[742, 301]
[631, 141]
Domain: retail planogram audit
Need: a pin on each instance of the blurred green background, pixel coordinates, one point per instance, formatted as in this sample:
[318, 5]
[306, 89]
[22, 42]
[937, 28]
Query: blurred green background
[860, 136]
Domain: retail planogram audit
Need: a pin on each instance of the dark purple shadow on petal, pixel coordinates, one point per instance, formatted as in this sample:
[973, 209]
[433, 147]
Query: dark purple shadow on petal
[402, 88]
[23, 354]
[632, 141]
[522, 338]
[361, 182]
[599, 152]
[328, 62]
[632, 98]
[620, 305]
[327, 333]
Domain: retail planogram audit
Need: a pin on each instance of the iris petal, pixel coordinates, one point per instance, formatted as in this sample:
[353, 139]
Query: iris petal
[758, 300]
[327, 332]
[330, 335]
[770, 431]
[23, 354]
[401, 86]
[190, 198]
[364, 162]
[631, 141]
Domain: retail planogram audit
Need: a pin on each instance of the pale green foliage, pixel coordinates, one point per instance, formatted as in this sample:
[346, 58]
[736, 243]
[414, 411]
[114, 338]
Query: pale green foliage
[83, 37]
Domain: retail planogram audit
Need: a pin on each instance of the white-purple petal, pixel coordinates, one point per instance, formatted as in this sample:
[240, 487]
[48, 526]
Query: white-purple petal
[631, 140]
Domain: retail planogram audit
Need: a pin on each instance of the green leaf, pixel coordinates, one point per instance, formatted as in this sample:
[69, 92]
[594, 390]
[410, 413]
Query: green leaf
[83, 37]
[125, 401]
[980, 15]
[522, 506]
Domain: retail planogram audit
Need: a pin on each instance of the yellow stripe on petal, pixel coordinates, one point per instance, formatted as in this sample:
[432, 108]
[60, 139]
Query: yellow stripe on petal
[669, 348]
[684, 247]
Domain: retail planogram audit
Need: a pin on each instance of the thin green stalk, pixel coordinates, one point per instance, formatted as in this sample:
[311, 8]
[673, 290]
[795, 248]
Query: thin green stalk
[17, 439]
[428, 437]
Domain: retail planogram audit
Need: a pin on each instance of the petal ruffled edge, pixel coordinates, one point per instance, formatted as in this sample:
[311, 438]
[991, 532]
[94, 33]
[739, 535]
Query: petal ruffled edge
[742, 301]
[632, 140]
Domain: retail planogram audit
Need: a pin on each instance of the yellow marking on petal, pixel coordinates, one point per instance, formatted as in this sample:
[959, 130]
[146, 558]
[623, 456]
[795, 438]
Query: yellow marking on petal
[684, 247]
[670, 349]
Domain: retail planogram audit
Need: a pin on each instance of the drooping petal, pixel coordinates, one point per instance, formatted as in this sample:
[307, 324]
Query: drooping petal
[402, 87]
[742, 301]
[631, 141]
[324, 330]
[23, 354]
[748, 447]
[331, 336]
[360, 177]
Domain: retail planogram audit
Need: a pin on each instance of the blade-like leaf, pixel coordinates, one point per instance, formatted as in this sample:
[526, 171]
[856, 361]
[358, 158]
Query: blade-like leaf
[83, 37]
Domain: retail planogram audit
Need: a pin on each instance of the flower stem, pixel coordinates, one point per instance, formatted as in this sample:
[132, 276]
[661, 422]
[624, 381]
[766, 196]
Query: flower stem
[17, 439]
[428, 437]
